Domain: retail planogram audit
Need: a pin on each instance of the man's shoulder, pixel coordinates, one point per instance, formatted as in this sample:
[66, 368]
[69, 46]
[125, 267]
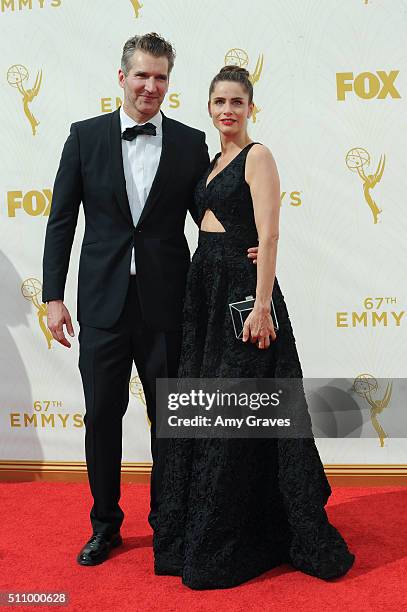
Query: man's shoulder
[99, 121]
[183, 128]
[96, 122]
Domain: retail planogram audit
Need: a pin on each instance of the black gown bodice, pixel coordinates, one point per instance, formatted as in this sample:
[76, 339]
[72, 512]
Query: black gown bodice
[228, 196]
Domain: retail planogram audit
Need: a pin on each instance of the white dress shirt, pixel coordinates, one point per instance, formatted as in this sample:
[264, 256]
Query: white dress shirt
[141, 157]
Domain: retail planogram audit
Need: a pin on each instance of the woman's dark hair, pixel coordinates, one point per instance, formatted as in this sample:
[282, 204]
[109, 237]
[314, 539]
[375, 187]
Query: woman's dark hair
[235, 74]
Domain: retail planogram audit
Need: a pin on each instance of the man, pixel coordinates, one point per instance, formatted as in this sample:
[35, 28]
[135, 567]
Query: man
[135, 171]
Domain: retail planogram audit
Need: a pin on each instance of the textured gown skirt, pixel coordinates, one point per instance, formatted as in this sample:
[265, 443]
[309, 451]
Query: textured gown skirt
[231, 509]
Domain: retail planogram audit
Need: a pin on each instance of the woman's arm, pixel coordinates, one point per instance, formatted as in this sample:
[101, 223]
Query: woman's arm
[262, 177]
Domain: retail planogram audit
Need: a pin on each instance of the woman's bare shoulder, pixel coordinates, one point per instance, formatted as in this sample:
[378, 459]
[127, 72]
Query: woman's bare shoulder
[260, 154]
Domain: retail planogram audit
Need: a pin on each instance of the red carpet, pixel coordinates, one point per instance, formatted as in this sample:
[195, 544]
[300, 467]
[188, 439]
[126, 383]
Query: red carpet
[45, 524]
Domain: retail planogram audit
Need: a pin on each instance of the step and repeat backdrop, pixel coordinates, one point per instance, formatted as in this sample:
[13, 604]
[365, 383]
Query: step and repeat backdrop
[330, 90]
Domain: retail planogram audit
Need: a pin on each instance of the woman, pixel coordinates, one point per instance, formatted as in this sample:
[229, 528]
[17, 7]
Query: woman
[232, 509]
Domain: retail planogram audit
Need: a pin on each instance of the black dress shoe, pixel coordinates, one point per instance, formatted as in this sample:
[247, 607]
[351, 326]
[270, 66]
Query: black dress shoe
[97, 549]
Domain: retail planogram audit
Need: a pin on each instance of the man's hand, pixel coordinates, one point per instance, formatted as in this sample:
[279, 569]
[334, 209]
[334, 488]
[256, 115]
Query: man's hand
[252, 254]
[58, 316]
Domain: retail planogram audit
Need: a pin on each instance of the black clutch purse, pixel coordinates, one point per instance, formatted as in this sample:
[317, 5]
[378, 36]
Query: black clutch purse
[241, 310]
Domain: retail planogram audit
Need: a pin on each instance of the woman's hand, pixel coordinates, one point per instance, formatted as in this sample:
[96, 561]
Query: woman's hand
[258, 327]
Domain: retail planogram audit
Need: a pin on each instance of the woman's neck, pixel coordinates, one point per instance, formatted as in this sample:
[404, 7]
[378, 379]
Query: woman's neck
[230, 146]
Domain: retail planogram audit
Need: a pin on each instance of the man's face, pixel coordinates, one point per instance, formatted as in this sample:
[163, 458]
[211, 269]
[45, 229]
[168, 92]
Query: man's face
[145, 85]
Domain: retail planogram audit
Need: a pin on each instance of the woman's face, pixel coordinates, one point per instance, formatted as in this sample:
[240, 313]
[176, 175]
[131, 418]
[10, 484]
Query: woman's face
[229, 107]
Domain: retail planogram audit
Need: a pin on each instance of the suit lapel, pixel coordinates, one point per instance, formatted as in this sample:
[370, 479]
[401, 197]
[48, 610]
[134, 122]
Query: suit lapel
[163, 173]
[116, 165]
[168, 154]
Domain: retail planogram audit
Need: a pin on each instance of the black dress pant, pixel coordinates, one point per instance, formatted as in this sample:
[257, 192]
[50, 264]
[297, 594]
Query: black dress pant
[105, 363]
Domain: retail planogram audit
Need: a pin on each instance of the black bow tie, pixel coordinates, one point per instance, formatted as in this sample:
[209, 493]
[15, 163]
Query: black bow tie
[133, 132]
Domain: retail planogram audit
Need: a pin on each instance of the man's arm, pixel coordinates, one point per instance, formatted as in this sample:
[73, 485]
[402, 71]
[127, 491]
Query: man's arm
[66, 199]
[202, 164]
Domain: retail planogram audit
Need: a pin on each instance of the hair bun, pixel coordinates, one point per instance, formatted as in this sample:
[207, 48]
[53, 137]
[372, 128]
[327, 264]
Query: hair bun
[235, 69]
[234, 74]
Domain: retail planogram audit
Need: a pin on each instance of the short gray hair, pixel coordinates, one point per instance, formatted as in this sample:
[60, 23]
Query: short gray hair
[151, 43]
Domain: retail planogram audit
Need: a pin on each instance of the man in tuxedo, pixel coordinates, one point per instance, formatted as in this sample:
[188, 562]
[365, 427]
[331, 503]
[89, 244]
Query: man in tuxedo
[134, 170]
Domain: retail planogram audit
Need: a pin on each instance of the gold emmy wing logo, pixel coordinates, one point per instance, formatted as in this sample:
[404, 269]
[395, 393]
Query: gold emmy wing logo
[366, 385]
[16, 76]
[136, 389]
[356, 160]
[239, 57]
[31, 290]
[137, 6]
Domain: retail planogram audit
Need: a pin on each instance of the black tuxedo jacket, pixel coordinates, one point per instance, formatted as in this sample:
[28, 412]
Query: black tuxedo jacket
[91, 172]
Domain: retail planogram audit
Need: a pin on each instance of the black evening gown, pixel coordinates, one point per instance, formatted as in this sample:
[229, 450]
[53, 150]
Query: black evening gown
[231, 509]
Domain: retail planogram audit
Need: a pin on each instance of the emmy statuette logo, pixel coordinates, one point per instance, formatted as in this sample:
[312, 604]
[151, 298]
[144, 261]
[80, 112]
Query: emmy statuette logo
[358, 158]
[136, 389]
[366, 386]
[16, 76]
[239, 57]
[136, 6]
[31, 290]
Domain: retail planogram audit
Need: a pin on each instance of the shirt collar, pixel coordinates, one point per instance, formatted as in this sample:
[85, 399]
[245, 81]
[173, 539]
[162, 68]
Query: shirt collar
[127, 122]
